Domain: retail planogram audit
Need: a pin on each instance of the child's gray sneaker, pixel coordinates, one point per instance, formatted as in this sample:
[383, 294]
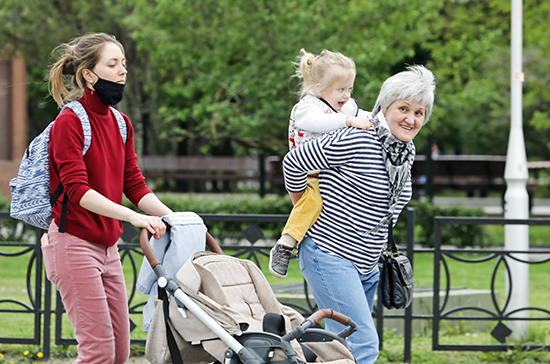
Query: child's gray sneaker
[279, 257]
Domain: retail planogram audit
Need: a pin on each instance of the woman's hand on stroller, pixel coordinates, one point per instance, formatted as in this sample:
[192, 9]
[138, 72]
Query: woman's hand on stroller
[153, 224]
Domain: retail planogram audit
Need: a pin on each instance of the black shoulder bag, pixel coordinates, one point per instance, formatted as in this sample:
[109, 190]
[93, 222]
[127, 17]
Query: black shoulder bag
[396, 276]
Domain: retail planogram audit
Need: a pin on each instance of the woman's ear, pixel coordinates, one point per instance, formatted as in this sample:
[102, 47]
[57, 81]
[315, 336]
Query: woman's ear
[88, 76]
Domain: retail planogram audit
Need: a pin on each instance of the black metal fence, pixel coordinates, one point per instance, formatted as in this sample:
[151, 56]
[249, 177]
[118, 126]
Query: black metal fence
[245, 245]
[499, 314]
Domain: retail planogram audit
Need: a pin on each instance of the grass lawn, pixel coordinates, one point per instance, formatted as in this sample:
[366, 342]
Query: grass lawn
[13, 271]
[538, 235]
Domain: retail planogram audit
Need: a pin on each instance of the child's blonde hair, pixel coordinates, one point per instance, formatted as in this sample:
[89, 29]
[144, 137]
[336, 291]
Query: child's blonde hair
[314, 69]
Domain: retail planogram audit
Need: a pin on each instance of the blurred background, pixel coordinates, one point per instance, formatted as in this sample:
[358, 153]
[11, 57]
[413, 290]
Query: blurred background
[214, 77]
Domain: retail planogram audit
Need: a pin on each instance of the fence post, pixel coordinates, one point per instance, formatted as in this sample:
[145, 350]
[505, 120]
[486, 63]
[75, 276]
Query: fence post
[379, 314]
[437, 262]
[47, 319]
[408, 311]
[37, 304]
[429, 169]
[262, 177]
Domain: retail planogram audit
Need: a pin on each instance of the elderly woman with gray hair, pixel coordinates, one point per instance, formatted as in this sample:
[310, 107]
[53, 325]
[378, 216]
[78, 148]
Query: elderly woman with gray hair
[365, 183]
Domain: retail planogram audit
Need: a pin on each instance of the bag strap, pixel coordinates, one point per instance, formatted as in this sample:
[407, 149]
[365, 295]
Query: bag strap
[391, 246]
[172, 346]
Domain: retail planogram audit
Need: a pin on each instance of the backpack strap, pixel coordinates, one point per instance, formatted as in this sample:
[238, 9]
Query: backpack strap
[121, 124]
[79, 110]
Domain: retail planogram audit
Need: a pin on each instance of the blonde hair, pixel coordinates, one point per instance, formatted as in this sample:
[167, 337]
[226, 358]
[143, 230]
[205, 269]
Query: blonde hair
[313, 70]
[66, 82]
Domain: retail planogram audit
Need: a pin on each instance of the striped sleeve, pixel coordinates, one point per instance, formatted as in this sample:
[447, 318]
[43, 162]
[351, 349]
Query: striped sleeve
[355, 191]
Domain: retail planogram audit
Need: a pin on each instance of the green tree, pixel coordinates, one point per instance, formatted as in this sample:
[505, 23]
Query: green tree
[536, 53]
[226, 65]
[215, 76]
[33, 28]
[470, 55]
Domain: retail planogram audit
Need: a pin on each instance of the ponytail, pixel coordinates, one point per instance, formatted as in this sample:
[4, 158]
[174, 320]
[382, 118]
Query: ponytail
[314, 69]
[63, 67]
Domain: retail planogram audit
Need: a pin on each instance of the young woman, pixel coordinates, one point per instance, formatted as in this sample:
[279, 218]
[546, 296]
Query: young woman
[83, 261]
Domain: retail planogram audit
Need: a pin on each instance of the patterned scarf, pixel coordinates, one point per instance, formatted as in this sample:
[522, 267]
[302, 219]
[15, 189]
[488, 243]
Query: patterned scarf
[398, 157]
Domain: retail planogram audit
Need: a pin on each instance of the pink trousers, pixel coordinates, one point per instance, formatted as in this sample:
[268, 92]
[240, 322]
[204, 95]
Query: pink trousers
[90, 280]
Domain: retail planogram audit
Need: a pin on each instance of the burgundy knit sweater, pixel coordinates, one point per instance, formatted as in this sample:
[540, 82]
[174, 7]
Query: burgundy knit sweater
[108, 167]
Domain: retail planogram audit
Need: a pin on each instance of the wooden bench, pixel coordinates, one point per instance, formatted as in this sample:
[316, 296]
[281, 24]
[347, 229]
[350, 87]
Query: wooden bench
[214, 168]
[471, 173]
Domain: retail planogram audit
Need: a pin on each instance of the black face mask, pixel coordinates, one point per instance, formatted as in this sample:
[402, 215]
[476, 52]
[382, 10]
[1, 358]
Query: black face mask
[109, 92]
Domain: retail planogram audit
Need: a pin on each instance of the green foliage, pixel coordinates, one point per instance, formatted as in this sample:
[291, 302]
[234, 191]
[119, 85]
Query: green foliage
[422, 352]
[4, 203]
[470, 56]
[21, 355]
[425, 212]
[226, 66]
[214, 76]
[233, 204]
[10, 229]
[464, 40]
[459, 235]
[33, 28]
[236, 204]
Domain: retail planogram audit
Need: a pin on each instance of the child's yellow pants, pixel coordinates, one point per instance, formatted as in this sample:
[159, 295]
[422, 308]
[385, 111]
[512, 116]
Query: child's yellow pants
[306, 211]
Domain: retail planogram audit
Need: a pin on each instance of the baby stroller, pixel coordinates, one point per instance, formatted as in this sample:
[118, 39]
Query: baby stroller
[234, 318]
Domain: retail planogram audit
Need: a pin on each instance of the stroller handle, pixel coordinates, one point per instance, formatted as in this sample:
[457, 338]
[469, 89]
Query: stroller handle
[211, 243]
[147, 250]
[331, 314]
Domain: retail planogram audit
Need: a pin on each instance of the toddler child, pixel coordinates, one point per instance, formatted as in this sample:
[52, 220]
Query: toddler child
[327, 84]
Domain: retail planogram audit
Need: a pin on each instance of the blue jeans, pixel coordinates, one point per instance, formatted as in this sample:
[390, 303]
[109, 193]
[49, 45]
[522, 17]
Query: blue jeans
[337, 284]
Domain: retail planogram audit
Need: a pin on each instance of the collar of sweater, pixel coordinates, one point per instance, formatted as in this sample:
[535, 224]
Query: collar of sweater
[91, 101]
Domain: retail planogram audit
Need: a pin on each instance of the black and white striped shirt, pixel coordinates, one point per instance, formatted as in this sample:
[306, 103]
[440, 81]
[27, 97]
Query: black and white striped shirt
[354, 187]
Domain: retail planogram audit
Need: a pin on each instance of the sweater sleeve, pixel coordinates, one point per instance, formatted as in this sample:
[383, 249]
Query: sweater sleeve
[310, 117]
[134, 182]
[66, 145]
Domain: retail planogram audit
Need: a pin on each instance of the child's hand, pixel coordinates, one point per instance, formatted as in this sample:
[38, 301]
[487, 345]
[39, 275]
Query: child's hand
[358, 122]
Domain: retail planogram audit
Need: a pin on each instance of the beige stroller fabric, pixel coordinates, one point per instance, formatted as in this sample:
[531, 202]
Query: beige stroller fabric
[236, 294]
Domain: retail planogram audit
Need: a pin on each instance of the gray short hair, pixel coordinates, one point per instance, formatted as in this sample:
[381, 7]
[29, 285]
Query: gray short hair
[416, 83]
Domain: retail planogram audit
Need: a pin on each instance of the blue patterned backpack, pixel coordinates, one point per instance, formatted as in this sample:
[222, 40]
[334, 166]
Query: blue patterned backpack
[30, 190]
